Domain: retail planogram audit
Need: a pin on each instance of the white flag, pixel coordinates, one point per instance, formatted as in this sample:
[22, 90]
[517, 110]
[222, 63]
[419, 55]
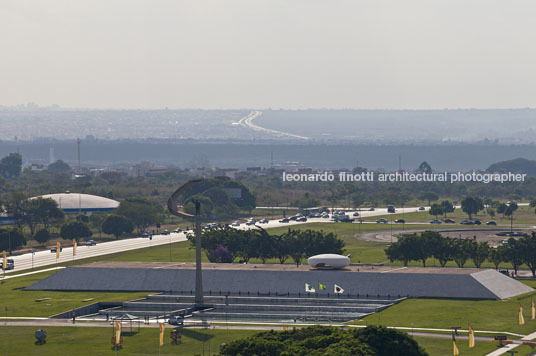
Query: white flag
[309, 288]
[337, 289]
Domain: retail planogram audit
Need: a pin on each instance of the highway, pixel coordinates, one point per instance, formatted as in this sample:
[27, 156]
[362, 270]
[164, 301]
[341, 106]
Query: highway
[46, 258]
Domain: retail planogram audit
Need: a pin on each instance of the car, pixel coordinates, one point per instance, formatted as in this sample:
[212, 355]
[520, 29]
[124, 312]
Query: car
[301, 219]
[166, 232]
[251, 221]
[467, 222]
[9, 266]
[284, 220]
[324, 215]
[371, 208]
[263, 221]
[382, 221]
[400, 221]
[53, 249]
[176, 320]
[91, 243]
[421, 208]
[146, 234]
[436, 221]
[491, 222]
[355, 214]
[505, 242]
[478, 222]
[449, 221]
[177, 230]
[236, 223]
[391, 209]
[505, 272]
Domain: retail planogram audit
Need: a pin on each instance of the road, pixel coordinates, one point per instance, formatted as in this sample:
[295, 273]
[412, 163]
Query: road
[46, 258]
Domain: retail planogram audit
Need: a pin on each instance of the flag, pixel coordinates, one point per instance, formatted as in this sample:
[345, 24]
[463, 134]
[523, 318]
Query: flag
[321, 286]
[309, 288]
[337, 289]
[4, 258]
[532, 310]
[58, 247]
[521, 319]
[471, 337]
[117, 332]
[284, 328]
[74, 247]
[455, 350]
[161, 334]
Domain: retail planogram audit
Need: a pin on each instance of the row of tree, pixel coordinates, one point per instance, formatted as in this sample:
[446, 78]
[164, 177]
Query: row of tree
[226, 244]
[430, 244]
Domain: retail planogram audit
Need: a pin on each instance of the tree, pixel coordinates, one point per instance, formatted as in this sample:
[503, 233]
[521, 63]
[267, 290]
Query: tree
[527, 248]
[479, 252]
[472, 205]
[11, 239]
[10, 165]
[497, 255]
[447, 207]
[461, 251]
[116, 225]
[424, 167]
[75, 230]
[510, 209]
[435, 210]
[59, 167]
[490, 212]
[96, 221]
[42, 236]
[501, 208]
[514, 253]
[443, 250]
[429, 196]
[141, 212]
[40, 211]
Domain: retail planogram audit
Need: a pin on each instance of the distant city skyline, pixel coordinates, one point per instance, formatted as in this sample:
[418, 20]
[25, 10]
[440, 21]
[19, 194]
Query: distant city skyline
[367, 54]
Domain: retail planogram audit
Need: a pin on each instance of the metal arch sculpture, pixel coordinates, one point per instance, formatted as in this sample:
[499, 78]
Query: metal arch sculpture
[175, 197]
[173, 209]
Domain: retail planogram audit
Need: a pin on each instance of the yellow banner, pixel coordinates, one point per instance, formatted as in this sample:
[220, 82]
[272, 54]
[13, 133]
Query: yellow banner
[117, 332]
[58, 247]
[162, 334]
[532, 310]
[74, 247]
[471, 337]
[4, 257]
[520, 317]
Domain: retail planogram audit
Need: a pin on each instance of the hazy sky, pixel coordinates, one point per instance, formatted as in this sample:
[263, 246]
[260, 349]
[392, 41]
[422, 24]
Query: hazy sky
[269, 53]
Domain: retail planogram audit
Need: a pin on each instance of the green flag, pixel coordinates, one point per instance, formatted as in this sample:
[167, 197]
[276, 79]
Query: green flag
[321, 286]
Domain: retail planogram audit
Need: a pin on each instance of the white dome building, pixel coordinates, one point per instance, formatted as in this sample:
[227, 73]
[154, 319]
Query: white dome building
[82, 203]
[329, 261]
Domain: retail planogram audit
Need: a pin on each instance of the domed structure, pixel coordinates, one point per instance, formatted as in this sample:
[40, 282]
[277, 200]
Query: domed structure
[82, 203]
[329, 261]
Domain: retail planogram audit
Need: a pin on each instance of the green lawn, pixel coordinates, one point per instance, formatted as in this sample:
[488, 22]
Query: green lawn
[490, 315]
[21, 302]
[90, 341]
[443, 347]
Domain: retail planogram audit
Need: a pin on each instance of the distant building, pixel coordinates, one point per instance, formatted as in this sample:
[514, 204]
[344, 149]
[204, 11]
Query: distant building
[82, 203]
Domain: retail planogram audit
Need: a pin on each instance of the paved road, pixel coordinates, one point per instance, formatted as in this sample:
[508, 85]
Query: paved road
[46, 258]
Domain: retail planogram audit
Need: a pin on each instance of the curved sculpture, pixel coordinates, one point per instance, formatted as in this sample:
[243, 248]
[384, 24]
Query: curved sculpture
[329, 261]
[173, 200]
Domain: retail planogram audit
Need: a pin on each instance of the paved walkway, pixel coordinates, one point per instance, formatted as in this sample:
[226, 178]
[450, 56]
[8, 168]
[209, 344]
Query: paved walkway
[34, 272]
[504, 350]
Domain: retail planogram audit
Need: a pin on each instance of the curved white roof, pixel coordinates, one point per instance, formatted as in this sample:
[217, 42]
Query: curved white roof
[328, 260]
[82, 202]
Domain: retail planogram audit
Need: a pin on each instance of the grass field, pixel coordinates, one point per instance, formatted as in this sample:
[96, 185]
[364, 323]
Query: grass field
[21, 302]
[443, 347]
[86, 341]
[489, 315]
[90, 341]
